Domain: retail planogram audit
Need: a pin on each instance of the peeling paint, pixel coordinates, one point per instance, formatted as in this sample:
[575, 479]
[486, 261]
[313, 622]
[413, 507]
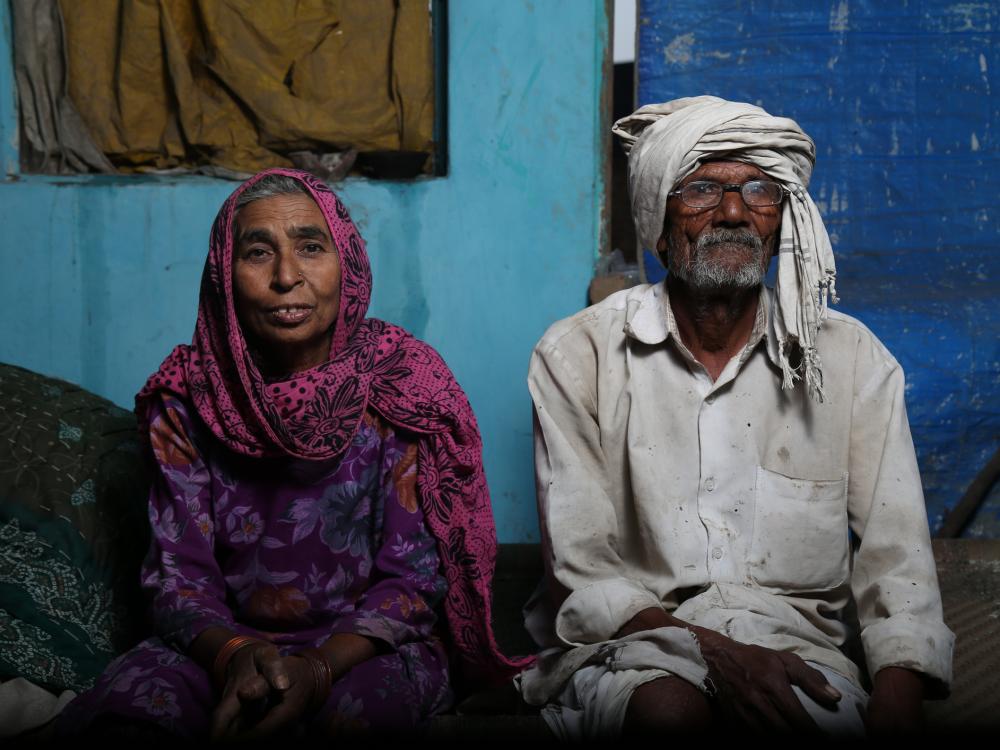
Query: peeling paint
[678, 52]
[970, 16]
[840, 16]
[974, 142]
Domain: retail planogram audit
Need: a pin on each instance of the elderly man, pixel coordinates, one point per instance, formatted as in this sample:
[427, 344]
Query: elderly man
[730, 505]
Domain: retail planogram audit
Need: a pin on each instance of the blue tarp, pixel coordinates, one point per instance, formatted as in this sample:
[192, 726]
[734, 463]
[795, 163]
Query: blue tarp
[898, 97]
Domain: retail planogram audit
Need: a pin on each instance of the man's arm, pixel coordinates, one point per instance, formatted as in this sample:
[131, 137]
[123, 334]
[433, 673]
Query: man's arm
[896, 703]
[894, 581]
[577, 515]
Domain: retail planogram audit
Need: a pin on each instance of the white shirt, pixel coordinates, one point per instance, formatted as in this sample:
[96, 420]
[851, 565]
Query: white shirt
[733, 504]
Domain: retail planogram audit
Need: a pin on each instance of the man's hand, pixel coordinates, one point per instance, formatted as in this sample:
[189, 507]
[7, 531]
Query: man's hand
[896, 703]
[753, 684]
[264, 691]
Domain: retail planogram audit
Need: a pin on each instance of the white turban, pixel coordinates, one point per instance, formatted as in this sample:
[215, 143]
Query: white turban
[667, 142]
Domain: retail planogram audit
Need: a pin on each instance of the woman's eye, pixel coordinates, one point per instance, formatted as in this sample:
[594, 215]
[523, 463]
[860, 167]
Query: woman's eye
[313, 248]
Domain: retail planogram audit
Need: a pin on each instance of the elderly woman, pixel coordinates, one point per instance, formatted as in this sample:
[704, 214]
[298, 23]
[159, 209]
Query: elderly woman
[319, 498]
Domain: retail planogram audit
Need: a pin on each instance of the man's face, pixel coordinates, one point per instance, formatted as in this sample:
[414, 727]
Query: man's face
[726, 247]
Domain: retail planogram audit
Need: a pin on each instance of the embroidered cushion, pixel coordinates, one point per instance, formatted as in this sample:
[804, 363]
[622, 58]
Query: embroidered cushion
[73, 530]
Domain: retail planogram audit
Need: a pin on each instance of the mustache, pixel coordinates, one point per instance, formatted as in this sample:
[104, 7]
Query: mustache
[730, 237]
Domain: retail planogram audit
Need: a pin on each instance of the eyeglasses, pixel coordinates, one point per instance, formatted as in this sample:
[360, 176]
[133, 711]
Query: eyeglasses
[707, 194]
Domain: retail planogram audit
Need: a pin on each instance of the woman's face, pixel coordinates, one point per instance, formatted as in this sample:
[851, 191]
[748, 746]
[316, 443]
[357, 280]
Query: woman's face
[286, 282]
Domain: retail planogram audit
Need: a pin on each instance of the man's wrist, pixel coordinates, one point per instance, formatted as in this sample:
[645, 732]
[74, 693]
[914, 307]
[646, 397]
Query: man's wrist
[900, 681]
[650, 618]
[896, 703]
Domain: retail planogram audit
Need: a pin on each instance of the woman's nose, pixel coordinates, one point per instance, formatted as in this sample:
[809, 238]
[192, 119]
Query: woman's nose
[287, 273]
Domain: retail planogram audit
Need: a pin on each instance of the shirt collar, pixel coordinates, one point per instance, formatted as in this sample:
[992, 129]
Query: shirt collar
[650, 319]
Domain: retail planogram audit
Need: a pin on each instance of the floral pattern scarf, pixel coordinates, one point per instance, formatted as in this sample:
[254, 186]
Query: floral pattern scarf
[314, 414]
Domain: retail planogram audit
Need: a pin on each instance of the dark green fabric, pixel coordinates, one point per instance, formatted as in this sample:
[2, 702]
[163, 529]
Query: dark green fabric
[73, 529]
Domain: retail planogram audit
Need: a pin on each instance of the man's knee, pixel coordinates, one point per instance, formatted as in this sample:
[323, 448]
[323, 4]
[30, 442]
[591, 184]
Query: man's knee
[668, 703]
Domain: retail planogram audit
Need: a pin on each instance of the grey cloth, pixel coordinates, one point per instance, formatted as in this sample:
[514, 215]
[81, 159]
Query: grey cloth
[55, 137]
[25, 706]
[667, 142]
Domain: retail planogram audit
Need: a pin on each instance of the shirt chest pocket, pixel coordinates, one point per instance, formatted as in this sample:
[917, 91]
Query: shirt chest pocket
[800, 533]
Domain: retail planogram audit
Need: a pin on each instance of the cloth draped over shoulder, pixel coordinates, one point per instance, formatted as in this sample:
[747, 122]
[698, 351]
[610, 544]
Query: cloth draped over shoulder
[667, 142]
[314, 414]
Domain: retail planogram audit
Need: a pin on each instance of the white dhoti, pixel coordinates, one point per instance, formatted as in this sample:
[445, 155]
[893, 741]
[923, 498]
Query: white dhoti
[589, 688]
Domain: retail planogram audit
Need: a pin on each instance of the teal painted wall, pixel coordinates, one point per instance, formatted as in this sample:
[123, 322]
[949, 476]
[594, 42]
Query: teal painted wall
[100, 275]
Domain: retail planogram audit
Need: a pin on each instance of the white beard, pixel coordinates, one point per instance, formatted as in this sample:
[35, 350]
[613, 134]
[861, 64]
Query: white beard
[705, 274]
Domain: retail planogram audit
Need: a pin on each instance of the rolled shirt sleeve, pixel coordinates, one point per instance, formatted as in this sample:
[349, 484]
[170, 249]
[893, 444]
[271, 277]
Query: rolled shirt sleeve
[894, 579]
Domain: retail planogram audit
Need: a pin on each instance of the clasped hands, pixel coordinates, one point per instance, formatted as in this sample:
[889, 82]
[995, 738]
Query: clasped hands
[263, 692]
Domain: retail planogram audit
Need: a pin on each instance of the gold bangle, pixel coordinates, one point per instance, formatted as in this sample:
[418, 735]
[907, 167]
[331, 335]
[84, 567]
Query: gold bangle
[322, 673]
[226, 654]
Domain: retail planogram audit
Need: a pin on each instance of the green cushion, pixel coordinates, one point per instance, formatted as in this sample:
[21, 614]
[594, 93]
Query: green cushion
[73, 530]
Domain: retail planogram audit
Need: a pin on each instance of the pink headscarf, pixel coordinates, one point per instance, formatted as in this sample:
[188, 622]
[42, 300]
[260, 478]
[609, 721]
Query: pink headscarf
[315, 414]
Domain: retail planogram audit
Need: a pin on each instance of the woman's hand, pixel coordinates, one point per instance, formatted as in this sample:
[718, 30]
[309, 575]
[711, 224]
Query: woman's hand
[264, 691]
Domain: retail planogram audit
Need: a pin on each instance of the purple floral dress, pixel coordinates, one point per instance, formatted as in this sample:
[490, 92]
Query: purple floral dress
[288, 550]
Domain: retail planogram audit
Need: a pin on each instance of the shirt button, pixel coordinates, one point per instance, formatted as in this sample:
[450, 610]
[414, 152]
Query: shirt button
[709, 484]
[710, 399]
[717, 553]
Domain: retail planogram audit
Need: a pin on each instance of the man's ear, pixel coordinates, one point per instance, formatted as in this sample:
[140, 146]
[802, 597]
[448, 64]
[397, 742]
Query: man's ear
[661, 246]
[661, 243]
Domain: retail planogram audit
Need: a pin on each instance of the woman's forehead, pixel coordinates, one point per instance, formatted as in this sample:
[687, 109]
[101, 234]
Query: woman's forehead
[281, 213]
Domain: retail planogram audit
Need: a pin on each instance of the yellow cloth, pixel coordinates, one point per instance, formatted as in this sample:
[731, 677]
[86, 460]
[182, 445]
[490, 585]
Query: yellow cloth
[239, 83]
